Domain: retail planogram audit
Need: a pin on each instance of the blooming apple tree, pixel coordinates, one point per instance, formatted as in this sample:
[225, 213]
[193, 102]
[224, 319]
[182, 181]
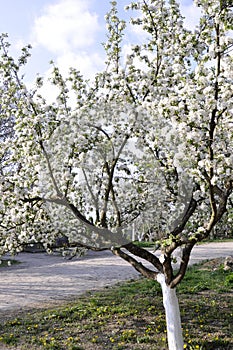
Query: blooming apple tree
[147, 145]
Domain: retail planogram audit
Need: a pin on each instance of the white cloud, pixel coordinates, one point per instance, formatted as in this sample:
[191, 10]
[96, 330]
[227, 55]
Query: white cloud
[88, 64]
[191, 13]
[66, 25]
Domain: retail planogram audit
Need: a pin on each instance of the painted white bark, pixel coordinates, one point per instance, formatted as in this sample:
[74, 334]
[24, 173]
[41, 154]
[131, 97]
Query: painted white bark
[172, 310]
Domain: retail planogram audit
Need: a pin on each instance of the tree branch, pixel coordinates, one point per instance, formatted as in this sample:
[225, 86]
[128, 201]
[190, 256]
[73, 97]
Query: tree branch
[189, 212]
[183, 265]
[95, 200]
[137, 265]
[144, 254]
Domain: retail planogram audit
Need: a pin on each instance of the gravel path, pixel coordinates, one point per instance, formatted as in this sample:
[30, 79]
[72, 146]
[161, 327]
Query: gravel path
[41, 280]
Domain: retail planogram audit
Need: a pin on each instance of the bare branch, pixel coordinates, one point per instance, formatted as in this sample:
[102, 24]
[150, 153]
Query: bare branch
[137, 265]
[189, 212]
[95, 200]
[144, 254]
[183, 265]
[50, 169]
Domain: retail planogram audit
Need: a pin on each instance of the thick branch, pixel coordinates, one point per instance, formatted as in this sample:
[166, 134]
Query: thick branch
[95, 200]
[183, 265]
[137, 265]
[168, 269]
[50, 169]
[144, 254]
[110, 171]
[189, 212]
[110, 237]
[222, 207]
[105, 233]
[213, 124]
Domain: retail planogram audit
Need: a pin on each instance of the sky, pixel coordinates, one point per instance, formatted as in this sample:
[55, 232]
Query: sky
[69, 32]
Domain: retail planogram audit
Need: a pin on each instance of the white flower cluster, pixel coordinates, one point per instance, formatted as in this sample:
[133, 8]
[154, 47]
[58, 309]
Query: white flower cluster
[144, 139]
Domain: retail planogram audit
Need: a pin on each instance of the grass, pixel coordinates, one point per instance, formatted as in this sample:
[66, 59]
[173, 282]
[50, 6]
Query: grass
[149, 244]
[130, 316]
[145, 244]
[8, 262]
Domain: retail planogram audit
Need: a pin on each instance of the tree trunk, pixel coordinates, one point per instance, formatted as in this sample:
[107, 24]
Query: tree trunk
[173, 320]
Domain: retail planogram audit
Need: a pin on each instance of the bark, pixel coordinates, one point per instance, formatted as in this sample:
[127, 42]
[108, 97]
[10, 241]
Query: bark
[144, 254]
[173, 320]
[143, 270]
[183, 265]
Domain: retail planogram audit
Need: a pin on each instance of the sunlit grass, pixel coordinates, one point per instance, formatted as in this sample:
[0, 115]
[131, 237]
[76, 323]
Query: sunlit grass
[130, 316]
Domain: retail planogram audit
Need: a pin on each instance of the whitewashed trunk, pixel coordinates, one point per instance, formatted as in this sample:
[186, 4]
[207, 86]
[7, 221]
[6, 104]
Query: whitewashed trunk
[172, 310]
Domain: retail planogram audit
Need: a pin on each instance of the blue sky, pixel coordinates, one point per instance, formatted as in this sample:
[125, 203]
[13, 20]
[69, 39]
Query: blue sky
[68, 31]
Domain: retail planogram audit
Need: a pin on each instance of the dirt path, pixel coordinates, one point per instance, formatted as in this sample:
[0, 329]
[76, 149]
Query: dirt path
[41, 280]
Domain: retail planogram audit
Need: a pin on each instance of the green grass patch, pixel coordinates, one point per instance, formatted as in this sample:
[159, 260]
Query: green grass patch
[145, 244]
[130, 316]
[218, 239]
[206, 279]
[8, 262]
[149, 244]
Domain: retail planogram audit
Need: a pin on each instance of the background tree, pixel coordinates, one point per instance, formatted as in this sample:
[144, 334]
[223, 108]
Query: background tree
[148, 143]
[6, 122]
